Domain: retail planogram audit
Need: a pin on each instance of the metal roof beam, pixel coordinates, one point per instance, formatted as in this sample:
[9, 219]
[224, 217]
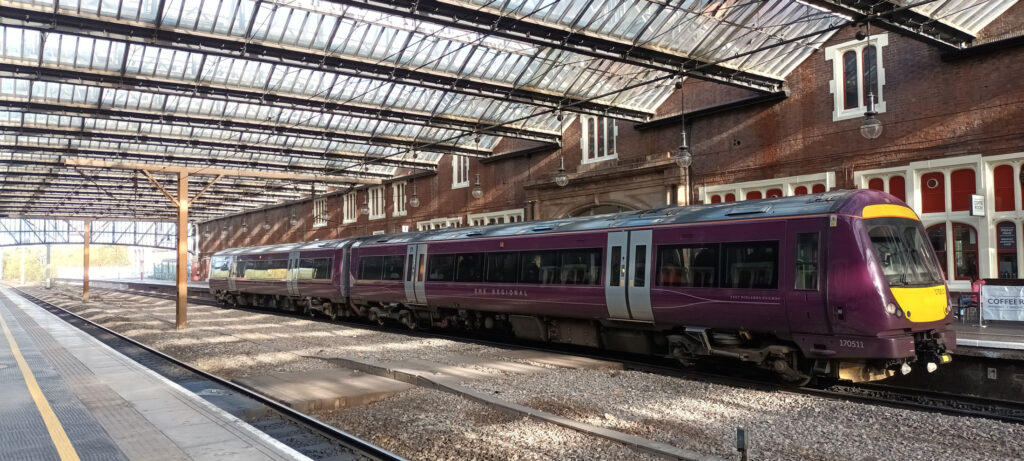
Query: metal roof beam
[210, 199]
[900, 19]
[78, 77]
[191, 161]
[238, 47]
[210, 122]
[57, 181]
[155, 167]
[568, 39]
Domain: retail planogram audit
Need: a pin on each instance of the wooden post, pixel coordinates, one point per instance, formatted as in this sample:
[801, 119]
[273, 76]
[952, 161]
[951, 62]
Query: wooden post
[85, 263]
[181, 317]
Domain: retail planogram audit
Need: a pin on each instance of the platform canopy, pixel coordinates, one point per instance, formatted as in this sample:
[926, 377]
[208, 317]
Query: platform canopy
[339, 93]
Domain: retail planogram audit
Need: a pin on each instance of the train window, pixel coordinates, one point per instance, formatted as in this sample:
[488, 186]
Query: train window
[581, 267]
[687, 266]
[441, 268]
[640, 266]
[806, 261]
[540, 267]
[392, 267]
[219, 268]
[408, 269]
[314, 269]
[371, 267]
[615, 263]
[469, 267]
[266, 269]
[751, 265]
[501, 267]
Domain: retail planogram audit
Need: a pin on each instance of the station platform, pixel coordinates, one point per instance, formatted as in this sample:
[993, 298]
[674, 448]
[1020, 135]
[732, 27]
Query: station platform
[67, 396]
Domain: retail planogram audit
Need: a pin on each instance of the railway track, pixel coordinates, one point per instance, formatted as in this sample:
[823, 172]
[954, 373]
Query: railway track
[302, 433]
[868, 393]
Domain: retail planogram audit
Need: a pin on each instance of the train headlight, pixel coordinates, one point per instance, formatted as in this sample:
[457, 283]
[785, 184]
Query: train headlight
[890, 309]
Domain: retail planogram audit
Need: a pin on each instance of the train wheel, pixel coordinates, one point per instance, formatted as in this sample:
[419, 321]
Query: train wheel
[334, 312]
[792, 372]
[307, 308]
[408, 319]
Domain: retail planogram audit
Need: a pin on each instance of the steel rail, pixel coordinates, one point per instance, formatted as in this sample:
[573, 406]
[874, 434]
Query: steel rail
[330, 432]
[867, 393]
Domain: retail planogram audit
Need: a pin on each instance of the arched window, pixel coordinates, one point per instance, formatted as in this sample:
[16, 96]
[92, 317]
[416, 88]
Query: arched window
[716, 198]
[870, 55]
[850, 80]
[937, 237]
[753, 195]
[801, 190]
[730, 198]
[773, 193]
[818, 188]
[877, 184]
[898, 187]
[961, 189]
[1003, 178]
[1006, 248]
[965, 251]
[933, 193]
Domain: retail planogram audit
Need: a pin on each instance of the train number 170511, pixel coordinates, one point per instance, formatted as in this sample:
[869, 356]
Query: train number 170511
[851, 344]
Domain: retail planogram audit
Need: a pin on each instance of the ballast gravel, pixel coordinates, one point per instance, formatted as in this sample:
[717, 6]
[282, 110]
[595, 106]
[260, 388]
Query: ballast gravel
[427, 424]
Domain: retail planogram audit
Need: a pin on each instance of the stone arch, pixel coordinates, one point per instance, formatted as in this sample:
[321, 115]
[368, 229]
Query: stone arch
[591, 209]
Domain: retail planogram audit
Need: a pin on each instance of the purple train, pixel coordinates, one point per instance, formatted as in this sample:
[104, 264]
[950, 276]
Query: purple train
[842, 284]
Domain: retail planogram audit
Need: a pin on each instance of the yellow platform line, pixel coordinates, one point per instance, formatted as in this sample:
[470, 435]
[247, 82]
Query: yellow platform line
[60, 439]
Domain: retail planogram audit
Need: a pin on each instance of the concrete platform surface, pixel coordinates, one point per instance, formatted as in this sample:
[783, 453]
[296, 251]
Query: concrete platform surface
[994, 335]
[65, 395]
[324, 389]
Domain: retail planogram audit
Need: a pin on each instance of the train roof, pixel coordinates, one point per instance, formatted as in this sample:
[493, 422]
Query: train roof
[823, 203]
[284, 247]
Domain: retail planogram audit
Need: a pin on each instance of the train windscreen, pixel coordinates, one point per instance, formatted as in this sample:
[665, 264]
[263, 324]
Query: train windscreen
[903, 252]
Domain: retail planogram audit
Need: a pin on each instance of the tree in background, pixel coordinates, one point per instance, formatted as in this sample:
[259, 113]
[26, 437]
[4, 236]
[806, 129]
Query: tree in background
[34, 257]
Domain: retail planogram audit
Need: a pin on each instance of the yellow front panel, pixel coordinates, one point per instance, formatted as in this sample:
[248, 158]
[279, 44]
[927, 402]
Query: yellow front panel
[923, 304]
[888, 211]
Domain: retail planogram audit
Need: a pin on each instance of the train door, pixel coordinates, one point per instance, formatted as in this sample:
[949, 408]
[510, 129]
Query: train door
[232, 273]
[415, 265]
[293, 273]
[806, 298]
[628, 283]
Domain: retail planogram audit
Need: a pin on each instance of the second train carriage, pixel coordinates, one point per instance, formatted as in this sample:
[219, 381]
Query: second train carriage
[840, 284]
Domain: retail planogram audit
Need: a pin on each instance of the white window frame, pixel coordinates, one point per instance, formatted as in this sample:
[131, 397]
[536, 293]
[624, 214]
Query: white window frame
[611, 129]
[351, 210]
[376, 202]
[460, 171]
[439, 223]
[835, 54]
[398, 191]
[320, 213]
[500, 217]
[787, 185]
[379, 232]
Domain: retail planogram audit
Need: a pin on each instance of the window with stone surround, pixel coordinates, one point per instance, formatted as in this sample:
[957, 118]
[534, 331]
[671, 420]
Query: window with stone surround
[598, 140]
[857, 71]
[320, 212]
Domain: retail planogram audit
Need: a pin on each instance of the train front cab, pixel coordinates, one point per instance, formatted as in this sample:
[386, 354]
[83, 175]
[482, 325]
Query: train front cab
[887, 303]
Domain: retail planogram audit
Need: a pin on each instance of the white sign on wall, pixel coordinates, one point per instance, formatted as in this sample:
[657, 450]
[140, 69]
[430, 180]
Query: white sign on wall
[977, 205]
[999, 302]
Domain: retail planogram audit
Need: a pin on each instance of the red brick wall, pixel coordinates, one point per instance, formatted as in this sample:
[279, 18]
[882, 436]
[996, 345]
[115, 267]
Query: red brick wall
[934, 109]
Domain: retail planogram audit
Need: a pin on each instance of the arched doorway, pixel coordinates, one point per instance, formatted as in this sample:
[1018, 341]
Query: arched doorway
[595, 210]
